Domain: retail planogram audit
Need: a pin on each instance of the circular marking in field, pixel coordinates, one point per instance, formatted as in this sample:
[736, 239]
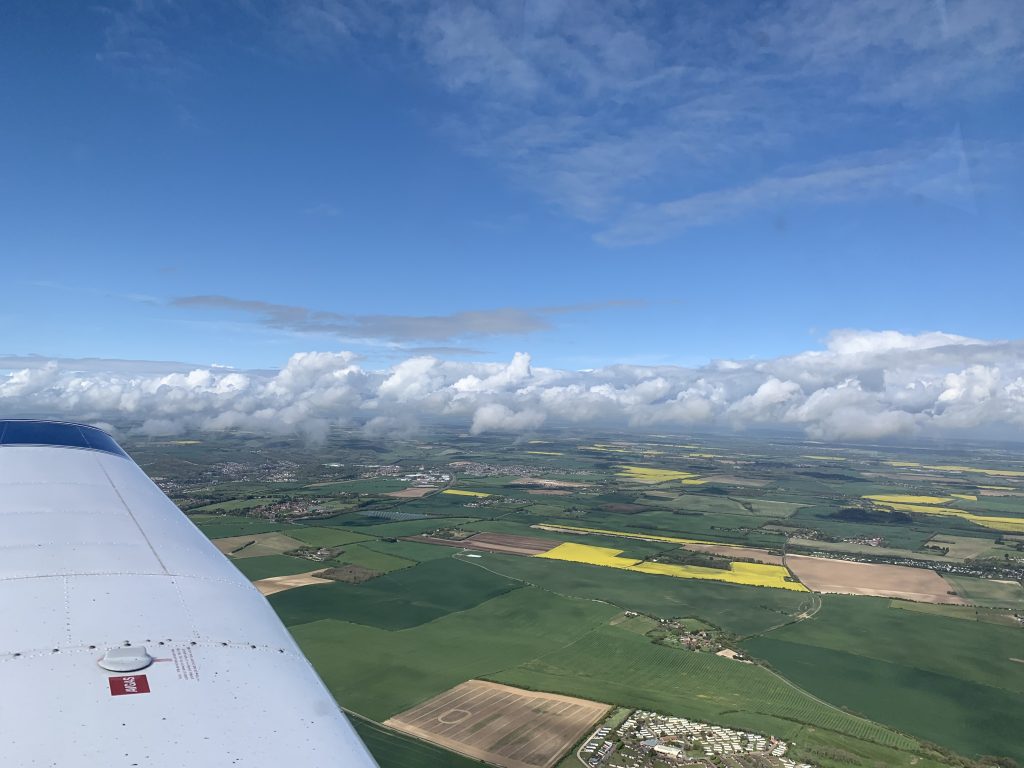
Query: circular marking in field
[453, 716]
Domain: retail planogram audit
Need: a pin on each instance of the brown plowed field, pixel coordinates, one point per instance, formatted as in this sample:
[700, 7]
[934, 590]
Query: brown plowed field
[417, 492]
[757, 555]
[502, 725]
[848, 578]
[494, 542]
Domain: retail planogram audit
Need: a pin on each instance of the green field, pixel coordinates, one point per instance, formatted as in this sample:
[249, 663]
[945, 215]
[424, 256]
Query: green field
[265, 566]
[963, 612]
[326, 537]
[968, 717]
[989, 593]
[222, 527]
[235, 505]
[935, 671]
[405, 528]
[734, 608]
[374, 560]
[392, 749]
[397, 670]
[868, 627]
[409, 550]
[617, 666]
[725, 505]
[403, 599]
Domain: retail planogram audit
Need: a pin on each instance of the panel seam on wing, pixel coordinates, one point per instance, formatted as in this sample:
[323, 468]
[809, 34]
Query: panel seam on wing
[142, 531]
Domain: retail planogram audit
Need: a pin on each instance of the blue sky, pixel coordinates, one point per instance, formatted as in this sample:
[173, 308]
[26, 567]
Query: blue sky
[595, 183]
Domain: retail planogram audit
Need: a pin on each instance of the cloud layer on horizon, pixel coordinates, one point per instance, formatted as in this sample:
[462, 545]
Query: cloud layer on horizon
[863, 385]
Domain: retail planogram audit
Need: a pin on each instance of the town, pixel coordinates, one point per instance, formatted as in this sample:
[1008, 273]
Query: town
[650, 740]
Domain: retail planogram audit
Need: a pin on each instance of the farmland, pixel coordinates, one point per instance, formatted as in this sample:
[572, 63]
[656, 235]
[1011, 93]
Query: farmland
[620, 666]
[735, 609]
[852, 578]
[507, 726]
[392, 749]
[616, 568]
[751, 574]
[396, 601]
[398, 670]
[855, 646]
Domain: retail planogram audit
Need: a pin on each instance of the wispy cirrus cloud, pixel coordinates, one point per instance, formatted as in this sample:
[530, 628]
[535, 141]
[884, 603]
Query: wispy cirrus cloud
[638, 117]
[401, 329]
[938, 171]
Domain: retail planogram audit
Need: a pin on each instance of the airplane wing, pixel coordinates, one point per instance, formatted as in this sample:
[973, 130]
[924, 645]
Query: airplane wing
[127, 639]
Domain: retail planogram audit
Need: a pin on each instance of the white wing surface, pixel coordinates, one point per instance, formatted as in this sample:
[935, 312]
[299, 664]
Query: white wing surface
[98, 567]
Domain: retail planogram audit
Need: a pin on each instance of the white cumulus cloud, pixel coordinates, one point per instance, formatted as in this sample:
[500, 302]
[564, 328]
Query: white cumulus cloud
[862, 385]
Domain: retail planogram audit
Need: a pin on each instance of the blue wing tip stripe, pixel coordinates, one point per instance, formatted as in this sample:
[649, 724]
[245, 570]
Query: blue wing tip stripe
[57, 433]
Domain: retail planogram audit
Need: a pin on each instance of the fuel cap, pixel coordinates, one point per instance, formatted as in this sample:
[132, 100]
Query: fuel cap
[129, 658]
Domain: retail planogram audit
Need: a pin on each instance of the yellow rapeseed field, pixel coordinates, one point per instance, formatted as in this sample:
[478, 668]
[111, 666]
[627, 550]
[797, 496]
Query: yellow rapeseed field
[824, 458]
[652, 475]
[584, 553]
[897, 498]
[991, 472]
[456, 492]
[958, 468]
[1006, 524]
[964, 496]
[750, 574]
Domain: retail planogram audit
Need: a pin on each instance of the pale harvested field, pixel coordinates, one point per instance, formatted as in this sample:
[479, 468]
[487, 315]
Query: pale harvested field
[411, 493]
[502, 725]
[274, 543]
[276, 584]
[547, 492]
[734, 553]
[847, 578]
[495, 542]
[507, 542]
